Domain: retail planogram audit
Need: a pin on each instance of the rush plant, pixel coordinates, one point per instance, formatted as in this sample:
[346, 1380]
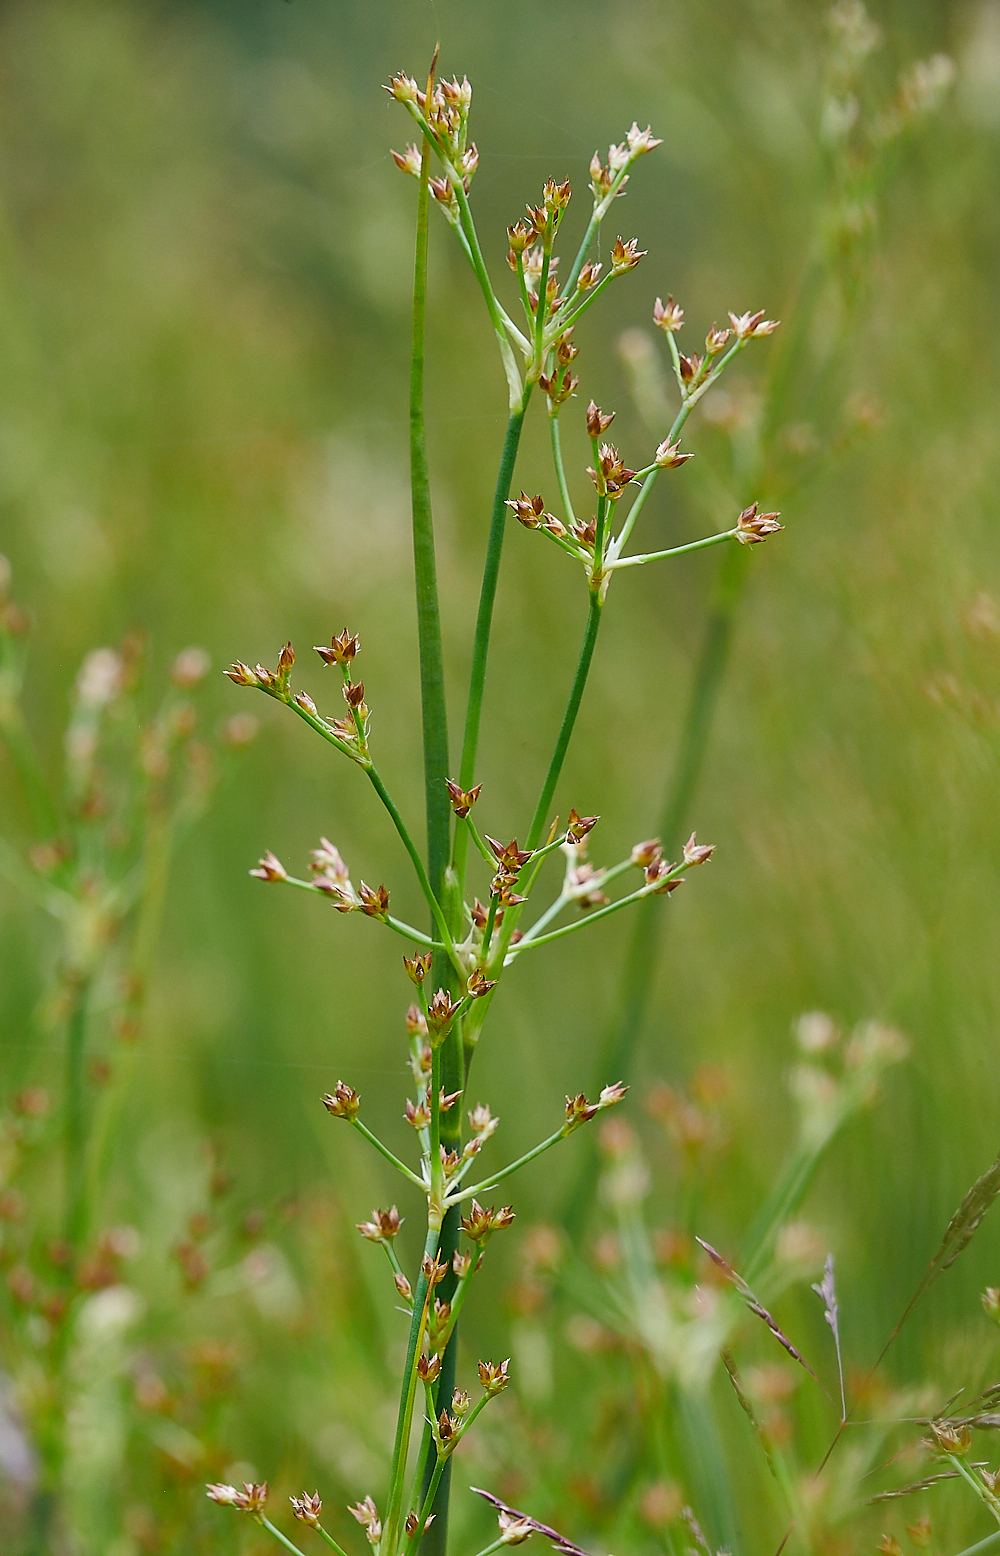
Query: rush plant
[456, 965]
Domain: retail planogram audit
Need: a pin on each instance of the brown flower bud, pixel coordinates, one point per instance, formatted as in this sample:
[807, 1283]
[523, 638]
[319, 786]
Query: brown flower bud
[416, 1022]
[433, 1272]
[752, 527]
[748, 325]
[529, 511]
[660, 878]
[668, 317]
[374, 903]
[403, 1286]
[304, 701]
[668, 455]
[588, 276]
[354, 694]
[408, 161]
[428, 1368]
[556, 196]
[242, 674]
[461, 1263]
[690, 367]
[308, 1508]
[418, 1114]
[343, 647]
[643, 854]
[494, 1378]
[440, 1012]
[269, 869]
[578, 826]
[479, 984]
[625, 256]
[252, 1499]
[715, 340]
[597, 422]
[509, 856]
[520, 236]
[383, 1226]
[697, 853]
[641, 141]
[480, 1223]
[612, 1094]
[343, 1103]
[579, 1111]
[462, 800]
[417, 967]
[367, 1515]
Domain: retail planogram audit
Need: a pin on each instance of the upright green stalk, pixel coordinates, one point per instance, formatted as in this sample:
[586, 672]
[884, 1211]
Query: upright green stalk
[432, 694]
[568, 721]
[484, 622]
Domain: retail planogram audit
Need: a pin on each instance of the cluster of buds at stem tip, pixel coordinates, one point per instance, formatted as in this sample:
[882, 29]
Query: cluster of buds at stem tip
[636, 142]
[367, 1515]
[417, 967]
[307, 1508]
[952, 1439]
[531, 512]
[342, 1102]
[462, 800]
[612, 475]
[383, 1226]
[668, 316]
[747, 326]
[440, 1013]
[413, 1523]
[374, 902]
[479, 984]
[668, 455]
[598, 421]
[482, 1221]
[580, 1111]
[342, 650]
[274, 682]
[494, 1377]
[428, 1368]
[252, 1499]
[269, 868]
[445, 111]
[753, 527]
[577, 826]
[514, 1531]
[625, 256]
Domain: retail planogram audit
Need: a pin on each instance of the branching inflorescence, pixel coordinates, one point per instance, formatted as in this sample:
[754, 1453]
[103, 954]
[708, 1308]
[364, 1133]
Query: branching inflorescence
[456, 967]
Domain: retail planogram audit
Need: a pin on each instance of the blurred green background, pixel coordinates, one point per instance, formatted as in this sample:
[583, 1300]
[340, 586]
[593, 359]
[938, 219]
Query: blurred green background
[205, 266]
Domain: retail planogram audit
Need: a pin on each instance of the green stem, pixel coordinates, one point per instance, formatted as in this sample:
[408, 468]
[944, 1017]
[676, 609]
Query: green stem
[569, 719]
[557, 460]
[484, 621]
[591, 918]
[640, 961]
[432, 690]
[281, 1539]
[505, 1172]
[658, 556]
[330, 1540]
[404, 1418]
[383, 1150]
[418, 865]
[982, 1546]
[76, 1119]
[44, 821]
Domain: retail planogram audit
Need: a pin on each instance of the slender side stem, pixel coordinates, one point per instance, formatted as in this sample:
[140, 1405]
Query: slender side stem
[330, 1540]
[281, 1539]
[418, 865]
[76, 1120]
[432, 691]
[514, 387]
[557, 460]
[505, 1172]
[571, 929]
[640, 961]
[383, 1150]
[982, 1546]
[433, 1483]
[569, 719]
[658, 556]
[405, 1416]
[484, 621]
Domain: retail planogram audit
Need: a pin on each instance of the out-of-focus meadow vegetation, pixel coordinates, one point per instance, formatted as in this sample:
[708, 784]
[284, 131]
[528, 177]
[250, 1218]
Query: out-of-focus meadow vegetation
[205, 267]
